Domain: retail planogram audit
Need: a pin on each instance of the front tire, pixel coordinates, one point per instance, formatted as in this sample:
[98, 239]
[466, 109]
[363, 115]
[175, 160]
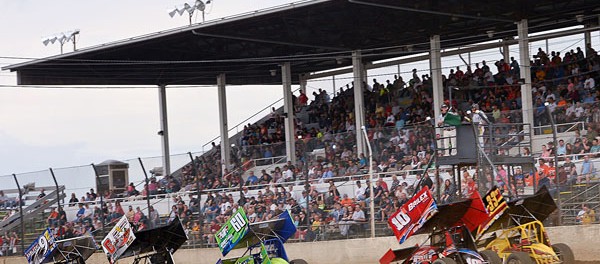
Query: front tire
[491, 256]
[444, 261]
[564, 253]
[298, 261]
[519, 258]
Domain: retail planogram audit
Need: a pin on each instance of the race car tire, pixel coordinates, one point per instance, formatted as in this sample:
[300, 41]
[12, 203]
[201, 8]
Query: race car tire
[564, 252]
[278, 261]
[491, 256]
[519, 258]
[444, 261]
[298, 261]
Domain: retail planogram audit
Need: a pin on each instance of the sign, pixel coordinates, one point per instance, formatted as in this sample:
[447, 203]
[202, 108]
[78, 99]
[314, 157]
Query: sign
[233, 231]
[118, 239]
[41, 248]
[495, 206]
[413, 214]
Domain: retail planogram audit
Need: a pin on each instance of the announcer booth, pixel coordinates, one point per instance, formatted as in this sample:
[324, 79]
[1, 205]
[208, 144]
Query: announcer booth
[113, 175]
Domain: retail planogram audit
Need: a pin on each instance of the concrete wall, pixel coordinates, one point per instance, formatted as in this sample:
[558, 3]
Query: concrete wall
[582, 239]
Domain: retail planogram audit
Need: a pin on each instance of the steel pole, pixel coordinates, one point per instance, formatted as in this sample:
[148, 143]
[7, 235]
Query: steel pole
[101, 196]
[57, 189]
[20, 214]
[198, 193]
[146, 187]
[554, 138]
[372, 200]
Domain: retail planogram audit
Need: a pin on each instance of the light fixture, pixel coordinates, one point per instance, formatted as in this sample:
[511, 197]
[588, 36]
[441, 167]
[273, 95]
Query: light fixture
[338, 60]
[490, 33]
[273, 72]
[579, 18]
[62, 38]
[190, 8]
[409, 47]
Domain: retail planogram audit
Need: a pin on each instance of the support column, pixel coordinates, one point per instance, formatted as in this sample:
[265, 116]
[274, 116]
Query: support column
[164, 129]
[224, 126]
[524, 61]
[435, 62]
[587, 37]
[505, 52]
[359, 106]
[302, 79]
[334, 86]
[288, 109]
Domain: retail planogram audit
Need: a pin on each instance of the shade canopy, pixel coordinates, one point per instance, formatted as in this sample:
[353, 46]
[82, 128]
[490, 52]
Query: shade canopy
[313, 35]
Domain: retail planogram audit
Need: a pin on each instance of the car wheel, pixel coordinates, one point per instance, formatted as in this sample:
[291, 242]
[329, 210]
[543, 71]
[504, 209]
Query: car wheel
[444, 261]
[491, 256]
[564, 252]
[519, 258]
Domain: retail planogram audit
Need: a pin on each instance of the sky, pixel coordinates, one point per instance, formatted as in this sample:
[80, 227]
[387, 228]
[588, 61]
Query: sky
[63, 127]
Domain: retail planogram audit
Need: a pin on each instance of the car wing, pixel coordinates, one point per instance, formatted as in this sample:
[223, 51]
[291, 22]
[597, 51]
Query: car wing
[468, 212]
[525, 210]
[397, 255]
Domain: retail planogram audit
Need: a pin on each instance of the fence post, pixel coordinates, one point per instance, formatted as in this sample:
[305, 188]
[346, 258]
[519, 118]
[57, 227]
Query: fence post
[198, 191]
[21, 214]
[146, 187]
[101, 197]
[57, 190]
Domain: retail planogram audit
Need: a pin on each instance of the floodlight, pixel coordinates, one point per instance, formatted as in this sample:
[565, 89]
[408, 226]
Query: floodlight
[200, 5]
[62, 38]
[190, 8]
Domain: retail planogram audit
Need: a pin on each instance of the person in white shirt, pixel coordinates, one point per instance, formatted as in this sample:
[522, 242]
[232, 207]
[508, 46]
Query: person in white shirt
[589, 83]
[359, 191]
[448, 132]
[288, 174]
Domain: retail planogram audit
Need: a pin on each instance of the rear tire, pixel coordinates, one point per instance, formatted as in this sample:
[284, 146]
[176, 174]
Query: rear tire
[519, 258]
[444, 261]
[564, 252]
[298, 261]
[278, 261]
[491, 256]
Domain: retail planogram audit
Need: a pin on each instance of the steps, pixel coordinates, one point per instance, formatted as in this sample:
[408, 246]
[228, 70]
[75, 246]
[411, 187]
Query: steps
[572, 197]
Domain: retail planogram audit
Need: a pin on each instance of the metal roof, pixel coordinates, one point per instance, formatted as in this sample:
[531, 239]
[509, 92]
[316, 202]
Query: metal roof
[313, 35]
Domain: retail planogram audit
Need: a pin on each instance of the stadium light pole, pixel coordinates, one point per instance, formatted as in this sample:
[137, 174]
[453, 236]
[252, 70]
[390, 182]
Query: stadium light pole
[371, 200]
[62, 38]
[554, 139]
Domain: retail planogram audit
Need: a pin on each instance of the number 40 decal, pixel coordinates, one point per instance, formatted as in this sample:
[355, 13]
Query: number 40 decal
[400, 220]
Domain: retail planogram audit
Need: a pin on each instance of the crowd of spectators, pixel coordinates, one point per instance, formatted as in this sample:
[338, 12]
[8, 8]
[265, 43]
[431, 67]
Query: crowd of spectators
[402, 138]
[395, 113]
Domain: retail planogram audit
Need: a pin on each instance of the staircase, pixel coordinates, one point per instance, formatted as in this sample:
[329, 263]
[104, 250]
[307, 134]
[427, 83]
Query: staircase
[34, 209]
[572, 197]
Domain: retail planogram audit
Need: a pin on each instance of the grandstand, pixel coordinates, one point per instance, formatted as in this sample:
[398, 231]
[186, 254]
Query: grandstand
[327, 175]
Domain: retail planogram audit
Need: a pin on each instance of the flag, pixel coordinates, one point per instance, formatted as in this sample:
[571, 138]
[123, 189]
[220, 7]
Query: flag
[452, 119]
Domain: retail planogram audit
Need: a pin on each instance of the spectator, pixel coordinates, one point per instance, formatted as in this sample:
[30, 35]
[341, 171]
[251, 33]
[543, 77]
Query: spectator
[449, 192]
[586, 215]
[587, 170]
[131, 191]
[252, 179]
[42, 194]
